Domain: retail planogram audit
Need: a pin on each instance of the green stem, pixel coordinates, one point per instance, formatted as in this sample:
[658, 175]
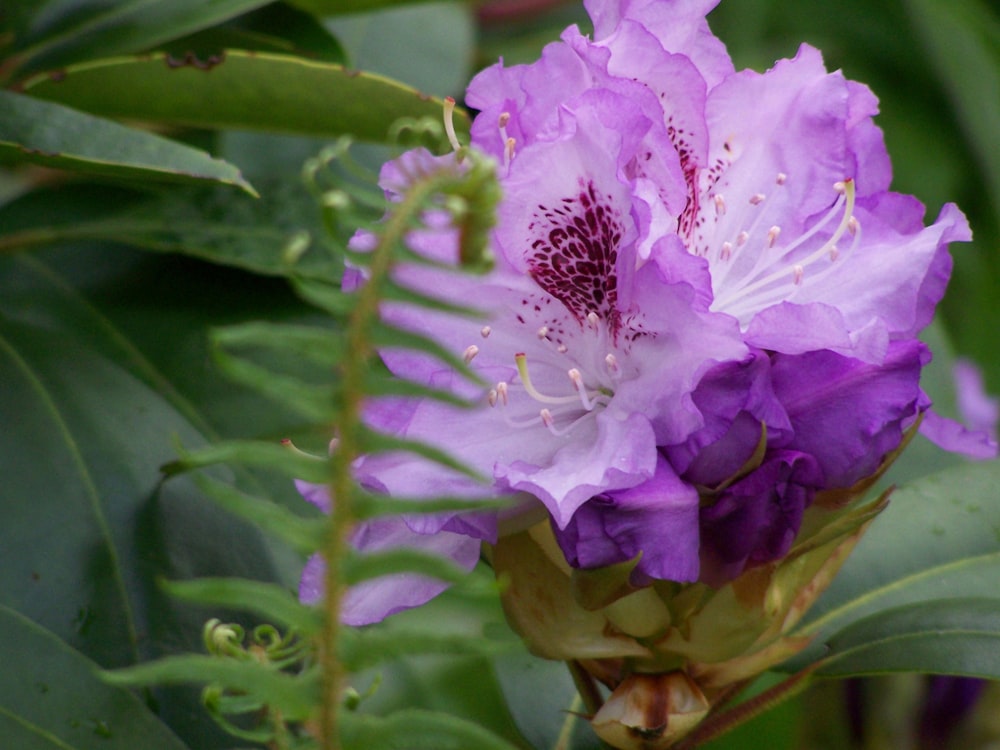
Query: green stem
[586, 687]
[363, 318]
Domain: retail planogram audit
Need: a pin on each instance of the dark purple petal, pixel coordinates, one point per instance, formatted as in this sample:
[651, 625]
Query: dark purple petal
[847, 413]
[658, 518]
[756, 519]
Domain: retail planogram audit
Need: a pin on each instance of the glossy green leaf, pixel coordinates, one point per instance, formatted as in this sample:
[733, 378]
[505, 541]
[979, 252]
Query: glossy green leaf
[51, 697]
[73, 30]
[958, 636]
[542, 698]
[56, 136]
[939, 539]
[276, 234]
[88, 525]
[277, 27]
[417, 729]
[257, 91]
[438, 59]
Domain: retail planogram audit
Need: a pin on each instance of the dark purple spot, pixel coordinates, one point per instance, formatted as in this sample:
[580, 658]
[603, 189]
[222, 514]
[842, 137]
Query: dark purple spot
[574, 253]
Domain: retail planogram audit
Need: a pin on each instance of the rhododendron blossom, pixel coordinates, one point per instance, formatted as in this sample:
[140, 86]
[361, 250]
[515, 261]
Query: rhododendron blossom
[703, 312]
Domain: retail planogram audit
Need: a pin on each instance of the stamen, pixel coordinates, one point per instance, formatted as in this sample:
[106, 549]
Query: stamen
[543, 332]
[853, 226]
[834, 253]
[741, 238]
[781, 179]
[522, 370]
[508, 152]
[577, 379]
[727, 251]
[470, 352]
[720, 205]
[449, 124]
[562, 348]
[612, 362]
[593, 320]
[772, 235]
[757, 198]
[485, 332]
[492, 396]
[502, 392]
[844, 205]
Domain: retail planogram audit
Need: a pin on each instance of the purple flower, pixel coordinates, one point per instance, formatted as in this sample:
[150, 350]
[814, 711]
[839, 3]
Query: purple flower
[704, 306]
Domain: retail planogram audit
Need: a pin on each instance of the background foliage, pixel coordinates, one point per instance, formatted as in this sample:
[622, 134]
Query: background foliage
[151, 193]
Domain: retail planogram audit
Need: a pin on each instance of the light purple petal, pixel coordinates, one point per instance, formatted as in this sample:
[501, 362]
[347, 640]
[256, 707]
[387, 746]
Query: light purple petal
[951, 436]
[376, 599]
[978, 410]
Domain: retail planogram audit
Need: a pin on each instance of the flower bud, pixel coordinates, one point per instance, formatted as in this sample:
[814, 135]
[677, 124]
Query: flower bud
[668, 650]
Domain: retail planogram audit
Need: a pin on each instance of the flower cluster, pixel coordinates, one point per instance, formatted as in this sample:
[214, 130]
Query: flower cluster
[703, 315]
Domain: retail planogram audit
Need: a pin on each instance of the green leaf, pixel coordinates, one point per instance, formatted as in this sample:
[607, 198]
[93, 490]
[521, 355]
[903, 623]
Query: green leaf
[958, 636]
[277, 27]
[304, 534]
[256, 91]
[938, 539]
[281, 458]
[88, 524]
[56, 136]
[51, 697]
[294, 696]
[362, 649]
[541, 696]
[74, 30]
[276, 234]
[270, 601]
[415, 729]
[364, 567]
[339, 7]
[438, 60]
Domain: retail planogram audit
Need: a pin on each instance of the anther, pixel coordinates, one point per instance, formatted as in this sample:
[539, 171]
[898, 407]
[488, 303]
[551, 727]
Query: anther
[781, 179]
[492, 396]
[502, 392]
[485, 332]
[797, 274]
[449, 123]
[612, 362]
[593, 320]
[741, 238]
[757, 198]
[772, 235]
[562, 348]
[508, 152]
[834, 253]
[727, 251]
[853, 225]
[720, 205]
[543, 332]
[470, 352]
[503, 119]
[841, 186]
